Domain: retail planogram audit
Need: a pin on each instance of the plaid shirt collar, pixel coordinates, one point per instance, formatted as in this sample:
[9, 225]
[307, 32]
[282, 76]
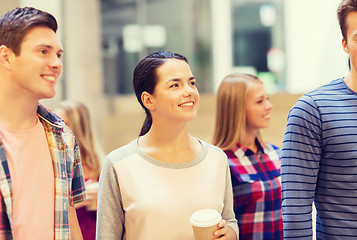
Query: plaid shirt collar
[248, 151]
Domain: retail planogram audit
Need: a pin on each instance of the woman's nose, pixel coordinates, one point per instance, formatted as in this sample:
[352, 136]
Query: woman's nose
[269, 105]
[188, 90]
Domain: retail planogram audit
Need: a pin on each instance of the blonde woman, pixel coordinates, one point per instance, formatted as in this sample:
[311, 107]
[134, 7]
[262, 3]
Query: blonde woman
[77, 118]
[243, 109]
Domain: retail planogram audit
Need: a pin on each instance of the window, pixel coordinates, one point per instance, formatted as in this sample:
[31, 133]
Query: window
[134, 28]
[258, 44]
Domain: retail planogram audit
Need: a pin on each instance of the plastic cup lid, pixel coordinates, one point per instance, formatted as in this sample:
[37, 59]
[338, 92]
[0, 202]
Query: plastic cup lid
[205, 218]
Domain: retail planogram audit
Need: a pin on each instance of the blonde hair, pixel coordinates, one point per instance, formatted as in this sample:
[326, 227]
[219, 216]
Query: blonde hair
[231, 118]
[77, 119]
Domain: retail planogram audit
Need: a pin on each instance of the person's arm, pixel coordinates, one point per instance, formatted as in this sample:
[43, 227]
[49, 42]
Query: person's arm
[231, 229]
[76, 233]
[110, 213]
[78, 191]
[77, 194]
[301, 153]
[92, 195]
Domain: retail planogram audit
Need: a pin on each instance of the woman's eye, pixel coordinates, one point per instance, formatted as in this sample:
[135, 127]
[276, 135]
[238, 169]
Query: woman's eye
[174, 85]
[192, 83]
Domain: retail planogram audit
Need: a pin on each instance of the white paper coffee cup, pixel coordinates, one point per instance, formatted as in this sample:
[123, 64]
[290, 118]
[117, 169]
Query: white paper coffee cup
[90, 187]
[92, 193]
[204, 222]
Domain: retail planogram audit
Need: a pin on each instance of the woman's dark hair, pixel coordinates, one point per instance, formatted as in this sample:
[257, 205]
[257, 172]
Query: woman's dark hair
[15, 24]
[145, 79]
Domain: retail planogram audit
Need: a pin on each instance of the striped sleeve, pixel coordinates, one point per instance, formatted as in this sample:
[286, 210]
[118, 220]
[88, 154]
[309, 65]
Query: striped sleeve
[319, 163]
[301, 154]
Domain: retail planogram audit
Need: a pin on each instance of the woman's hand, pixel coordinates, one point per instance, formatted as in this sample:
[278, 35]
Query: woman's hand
[92, 195]
[225, 232]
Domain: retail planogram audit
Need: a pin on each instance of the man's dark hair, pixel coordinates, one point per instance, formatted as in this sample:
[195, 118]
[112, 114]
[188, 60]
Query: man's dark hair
[345, 7]
[16, 23]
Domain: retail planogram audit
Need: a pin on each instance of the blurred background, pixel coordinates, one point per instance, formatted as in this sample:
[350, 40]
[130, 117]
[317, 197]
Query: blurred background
[293, 46]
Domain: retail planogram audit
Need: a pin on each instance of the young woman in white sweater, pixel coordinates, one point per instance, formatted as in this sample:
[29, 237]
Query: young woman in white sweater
[150, 187]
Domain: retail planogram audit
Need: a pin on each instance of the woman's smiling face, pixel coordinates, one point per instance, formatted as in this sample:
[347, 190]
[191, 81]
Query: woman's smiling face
[258, 107]
[175, 96]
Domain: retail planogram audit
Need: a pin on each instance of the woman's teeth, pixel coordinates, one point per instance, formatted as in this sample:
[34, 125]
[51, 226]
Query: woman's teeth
[187, 104]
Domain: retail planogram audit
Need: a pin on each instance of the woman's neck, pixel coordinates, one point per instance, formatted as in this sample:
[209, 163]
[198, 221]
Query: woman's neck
[167, 134]
[171, 145]
[249, 141]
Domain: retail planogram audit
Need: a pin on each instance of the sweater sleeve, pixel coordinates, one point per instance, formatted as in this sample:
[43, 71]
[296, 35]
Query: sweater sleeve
[110, 213]
[301, 153]
[228, 213]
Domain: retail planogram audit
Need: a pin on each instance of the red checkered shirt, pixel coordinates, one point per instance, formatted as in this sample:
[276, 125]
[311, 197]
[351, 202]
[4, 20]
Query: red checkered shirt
[257, 191]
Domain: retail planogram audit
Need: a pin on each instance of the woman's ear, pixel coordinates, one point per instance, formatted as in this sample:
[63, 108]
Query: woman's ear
[147, 100]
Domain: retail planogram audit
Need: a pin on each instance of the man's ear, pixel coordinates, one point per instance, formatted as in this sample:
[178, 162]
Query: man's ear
[147, 100]
[345, 46]
[5, 56]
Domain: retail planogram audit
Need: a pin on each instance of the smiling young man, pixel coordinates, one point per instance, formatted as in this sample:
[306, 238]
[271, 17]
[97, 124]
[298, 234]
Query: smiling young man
[40, 171]
[319, 154]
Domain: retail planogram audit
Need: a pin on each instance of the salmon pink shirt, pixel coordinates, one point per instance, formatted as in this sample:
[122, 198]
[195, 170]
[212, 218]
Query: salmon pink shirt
[32, 180]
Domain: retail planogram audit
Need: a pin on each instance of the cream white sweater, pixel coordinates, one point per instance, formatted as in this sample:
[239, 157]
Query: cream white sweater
[142, 198]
